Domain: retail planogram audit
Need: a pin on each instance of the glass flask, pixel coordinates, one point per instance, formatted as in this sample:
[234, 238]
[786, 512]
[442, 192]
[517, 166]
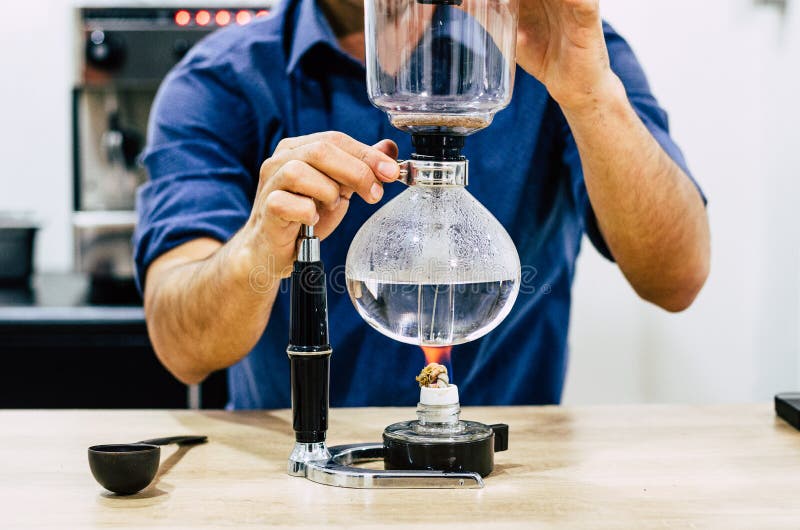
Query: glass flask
[433, 266]
[440, 65]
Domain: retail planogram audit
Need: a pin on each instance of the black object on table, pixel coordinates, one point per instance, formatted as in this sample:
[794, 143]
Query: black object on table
[126, 469]
[62, 350]
[787, 407]
[16, 251]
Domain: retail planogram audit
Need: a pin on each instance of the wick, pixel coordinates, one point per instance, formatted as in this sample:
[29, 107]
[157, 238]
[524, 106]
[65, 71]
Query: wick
[434, 376]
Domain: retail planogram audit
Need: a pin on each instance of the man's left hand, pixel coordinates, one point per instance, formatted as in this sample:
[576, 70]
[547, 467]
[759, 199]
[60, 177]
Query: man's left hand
[561, 43]
[648, 211]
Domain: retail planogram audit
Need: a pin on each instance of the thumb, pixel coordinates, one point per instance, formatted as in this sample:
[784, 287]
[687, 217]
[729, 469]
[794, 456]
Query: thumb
[387, 147]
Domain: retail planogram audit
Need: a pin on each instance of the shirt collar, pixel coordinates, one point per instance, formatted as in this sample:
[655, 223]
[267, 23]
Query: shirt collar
[308, 27]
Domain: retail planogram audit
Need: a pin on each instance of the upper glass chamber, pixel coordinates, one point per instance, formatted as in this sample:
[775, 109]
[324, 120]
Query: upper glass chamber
[440, 66]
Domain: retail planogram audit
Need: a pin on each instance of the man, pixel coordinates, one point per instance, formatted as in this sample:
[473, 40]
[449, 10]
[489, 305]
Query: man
[241, 152]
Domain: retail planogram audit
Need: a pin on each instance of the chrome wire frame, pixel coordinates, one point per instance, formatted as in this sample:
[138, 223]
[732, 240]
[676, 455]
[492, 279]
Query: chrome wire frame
[339, 470]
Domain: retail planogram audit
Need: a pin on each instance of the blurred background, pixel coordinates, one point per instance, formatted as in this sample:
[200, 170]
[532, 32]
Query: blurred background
[726, 70]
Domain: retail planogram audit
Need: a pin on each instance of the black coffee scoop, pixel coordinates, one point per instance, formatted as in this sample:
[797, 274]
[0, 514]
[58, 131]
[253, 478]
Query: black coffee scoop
[126, 469]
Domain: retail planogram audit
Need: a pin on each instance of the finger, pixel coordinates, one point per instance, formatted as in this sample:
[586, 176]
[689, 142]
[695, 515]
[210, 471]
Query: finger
[383, 166]
[342, 167]
[387, 147]
[290, 208]
[298, 177]
[330, 220]
[346, 192]
[585, 12]
[388, 174]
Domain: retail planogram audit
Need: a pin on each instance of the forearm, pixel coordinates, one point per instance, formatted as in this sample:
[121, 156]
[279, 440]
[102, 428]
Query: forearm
[204, 315]
[207, 304]
[649, 212]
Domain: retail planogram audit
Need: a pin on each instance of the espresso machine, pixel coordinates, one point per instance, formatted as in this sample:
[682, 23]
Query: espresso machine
[124, 53]
[449, 274]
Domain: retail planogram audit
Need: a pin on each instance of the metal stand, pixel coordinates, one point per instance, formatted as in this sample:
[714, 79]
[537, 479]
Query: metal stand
[339, 470]
[309, 354]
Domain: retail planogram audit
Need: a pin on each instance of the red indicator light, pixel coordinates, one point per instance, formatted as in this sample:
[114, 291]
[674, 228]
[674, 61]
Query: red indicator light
[223, 18]
[262, 13]
[182, 18]
[202, 17]
[243, 17]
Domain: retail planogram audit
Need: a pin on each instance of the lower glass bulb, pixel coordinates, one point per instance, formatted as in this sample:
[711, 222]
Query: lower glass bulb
[433, 267]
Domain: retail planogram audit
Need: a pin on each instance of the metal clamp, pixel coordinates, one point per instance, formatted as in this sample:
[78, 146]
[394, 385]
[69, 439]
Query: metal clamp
[339, 470]
[434, 172]
[307, 245]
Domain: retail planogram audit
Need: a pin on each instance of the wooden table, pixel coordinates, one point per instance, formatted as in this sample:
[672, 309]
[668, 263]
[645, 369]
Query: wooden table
[610, 467]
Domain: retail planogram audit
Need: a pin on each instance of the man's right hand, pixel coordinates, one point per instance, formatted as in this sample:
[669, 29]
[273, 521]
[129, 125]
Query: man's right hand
[310, 180]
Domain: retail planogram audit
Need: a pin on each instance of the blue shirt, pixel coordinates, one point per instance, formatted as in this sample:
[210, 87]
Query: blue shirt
[225, 107]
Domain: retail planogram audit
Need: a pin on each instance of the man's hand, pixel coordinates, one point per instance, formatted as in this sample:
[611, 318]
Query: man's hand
[310, 180]
[561, 43]
[307, 180]
[648, 210]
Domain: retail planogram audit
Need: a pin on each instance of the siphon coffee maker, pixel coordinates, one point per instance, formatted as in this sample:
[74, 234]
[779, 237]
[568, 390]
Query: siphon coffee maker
[433, 267]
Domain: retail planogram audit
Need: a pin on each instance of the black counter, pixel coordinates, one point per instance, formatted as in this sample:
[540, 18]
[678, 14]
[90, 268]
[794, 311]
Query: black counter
[66, 343]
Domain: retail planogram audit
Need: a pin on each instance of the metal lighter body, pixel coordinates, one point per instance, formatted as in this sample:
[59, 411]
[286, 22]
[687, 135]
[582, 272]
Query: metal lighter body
[309, 353]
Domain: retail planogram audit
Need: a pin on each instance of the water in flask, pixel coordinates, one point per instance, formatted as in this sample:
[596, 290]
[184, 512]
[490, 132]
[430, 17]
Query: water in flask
[428, 314]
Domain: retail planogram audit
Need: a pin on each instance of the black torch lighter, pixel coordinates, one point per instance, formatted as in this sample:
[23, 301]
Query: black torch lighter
[309, 354]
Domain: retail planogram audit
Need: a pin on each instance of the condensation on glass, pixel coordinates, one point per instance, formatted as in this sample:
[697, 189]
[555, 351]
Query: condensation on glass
[433, 267]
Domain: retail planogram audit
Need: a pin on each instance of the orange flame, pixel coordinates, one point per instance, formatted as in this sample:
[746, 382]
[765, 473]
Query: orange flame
[437, 354]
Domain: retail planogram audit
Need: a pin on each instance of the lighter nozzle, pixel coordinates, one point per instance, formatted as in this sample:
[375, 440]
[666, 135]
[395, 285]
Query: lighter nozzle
[307, 245]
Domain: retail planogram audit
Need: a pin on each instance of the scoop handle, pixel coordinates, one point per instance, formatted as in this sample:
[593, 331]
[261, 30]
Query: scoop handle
[180, 440]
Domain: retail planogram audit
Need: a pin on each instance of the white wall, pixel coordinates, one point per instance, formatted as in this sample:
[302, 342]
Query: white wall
[727, 70]
[728, 73]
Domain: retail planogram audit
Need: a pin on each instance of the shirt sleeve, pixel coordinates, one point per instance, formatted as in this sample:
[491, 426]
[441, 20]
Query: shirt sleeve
[201, 159]
[628, 69]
